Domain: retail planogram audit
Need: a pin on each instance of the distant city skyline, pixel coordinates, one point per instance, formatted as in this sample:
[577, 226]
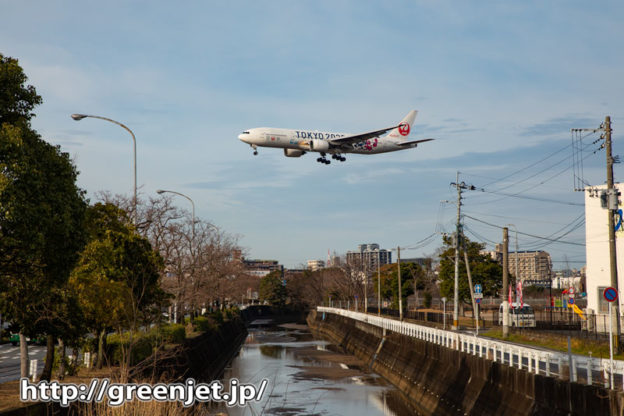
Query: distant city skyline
[499, 86]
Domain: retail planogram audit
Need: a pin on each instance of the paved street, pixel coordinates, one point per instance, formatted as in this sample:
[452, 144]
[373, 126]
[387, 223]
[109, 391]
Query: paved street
[10, 360]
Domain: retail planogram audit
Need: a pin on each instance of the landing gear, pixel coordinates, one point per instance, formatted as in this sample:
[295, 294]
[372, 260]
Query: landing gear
[323, 160]
[255, 148]
[338, 157]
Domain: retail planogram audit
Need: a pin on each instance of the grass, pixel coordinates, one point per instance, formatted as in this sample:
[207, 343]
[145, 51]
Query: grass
[581, 346]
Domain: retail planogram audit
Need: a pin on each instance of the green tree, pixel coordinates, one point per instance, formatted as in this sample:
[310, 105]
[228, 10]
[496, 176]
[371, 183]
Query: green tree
[412, 278]
[483, 268]
[272, 289]
[116, 279]
[40, 231]
[17, 100]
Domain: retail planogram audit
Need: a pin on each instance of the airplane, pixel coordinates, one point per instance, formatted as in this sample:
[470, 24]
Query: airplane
[297, 143]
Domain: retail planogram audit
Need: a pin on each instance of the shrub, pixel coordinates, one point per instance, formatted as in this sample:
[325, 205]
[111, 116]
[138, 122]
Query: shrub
[173, 333]
[427, 299]
[205, 324]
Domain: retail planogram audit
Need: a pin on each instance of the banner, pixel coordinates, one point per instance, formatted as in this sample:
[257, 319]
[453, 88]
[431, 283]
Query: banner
[510, 298]
[520, 293]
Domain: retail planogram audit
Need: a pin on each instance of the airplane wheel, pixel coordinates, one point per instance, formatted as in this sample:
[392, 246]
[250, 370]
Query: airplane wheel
[255, 153]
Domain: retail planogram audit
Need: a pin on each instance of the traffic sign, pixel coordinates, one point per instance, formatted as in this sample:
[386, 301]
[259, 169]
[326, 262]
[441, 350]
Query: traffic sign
[478, 288]
[571, 301]
[610, 294]
[478, 295]
[571, 291]
[478, 300]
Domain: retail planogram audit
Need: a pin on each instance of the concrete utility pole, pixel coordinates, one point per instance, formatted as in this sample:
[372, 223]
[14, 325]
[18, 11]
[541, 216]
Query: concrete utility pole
[457, 234]
[612, 209]
[400, 291]
[505, 282]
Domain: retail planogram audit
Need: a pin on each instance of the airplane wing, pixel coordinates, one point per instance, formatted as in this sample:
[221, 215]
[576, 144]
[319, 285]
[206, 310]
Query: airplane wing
[413, 142]
[354, 138]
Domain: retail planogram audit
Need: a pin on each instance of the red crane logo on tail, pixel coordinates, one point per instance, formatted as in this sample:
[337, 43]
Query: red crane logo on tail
[404, 129]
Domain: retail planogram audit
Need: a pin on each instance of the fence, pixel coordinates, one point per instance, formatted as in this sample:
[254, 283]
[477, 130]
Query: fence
[576, 368]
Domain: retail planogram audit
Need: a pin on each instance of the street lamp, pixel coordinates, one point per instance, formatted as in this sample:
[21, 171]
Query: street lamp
[378, 283]
[162, 191]
[79, 117]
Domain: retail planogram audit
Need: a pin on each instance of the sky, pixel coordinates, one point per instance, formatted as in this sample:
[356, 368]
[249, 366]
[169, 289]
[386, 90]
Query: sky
[499, 85]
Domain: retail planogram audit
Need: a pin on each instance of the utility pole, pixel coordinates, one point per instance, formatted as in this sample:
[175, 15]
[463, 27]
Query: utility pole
[400, 291]
[612, 207]
[611, 210]
[505, 282]
[458, 232]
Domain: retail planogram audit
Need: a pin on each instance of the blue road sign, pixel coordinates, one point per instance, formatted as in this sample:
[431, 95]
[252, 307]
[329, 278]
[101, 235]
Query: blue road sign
[610, 294]
[478, 288]
[571, 301]
[478, 300]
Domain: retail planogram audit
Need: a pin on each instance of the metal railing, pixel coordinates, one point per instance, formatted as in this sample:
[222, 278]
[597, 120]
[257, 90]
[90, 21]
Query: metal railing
[576, 368]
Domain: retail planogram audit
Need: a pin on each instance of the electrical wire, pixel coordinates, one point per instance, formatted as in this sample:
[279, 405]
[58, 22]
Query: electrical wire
[527, 234]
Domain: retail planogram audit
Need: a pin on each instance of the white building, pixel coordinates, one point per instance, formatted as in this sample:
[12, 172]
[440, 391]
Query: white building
[598, 275]
[316, 265]
[369, 256]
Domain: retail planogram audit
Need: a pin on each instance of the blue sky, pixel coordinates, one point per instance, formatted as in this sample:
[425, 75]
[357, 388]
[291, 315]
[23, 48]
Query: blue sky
[498, 84]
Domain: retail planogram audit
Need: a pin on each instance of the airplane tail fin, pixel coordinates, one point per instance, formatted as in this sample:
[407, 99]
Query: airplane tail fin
[405, 126]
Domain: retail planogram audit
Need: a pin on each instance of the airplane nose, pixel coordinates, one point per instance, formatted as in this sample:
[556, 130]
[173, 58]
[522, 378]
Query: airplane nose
[242, 138]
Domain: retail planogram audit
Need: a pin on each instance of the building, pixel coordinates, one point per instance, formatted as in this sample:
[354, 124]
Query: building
[598, 272]
[261, 268]
[369, 256]
[529, 266]
[424, 262]
[315, 265]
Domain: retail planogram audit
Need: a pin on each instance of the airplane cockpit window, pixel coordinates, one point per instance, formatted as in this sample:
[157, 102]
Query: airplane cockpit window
[245, 132]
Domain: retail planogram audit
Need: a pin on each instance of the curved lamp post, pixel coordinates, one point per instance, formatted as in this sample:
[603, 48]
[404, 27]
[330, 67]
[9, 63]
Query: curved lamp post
[79, 117]
[162, 191]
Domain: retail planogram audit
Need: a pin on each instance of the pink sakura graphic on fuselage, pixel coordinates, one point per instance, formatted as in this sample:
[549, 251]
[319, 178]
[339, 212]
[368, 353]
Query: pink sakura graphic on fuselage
[369, 146]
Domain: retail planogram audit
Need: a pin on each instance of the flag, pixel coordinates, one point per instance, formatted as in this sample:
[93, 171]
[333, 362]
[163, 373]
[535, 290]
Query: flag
[520, 293]
[510, 298]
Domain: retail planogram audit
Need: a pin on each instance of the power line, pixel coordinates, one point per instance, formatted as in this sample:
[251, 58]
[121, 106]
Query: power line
[527, 234]
[534, 198]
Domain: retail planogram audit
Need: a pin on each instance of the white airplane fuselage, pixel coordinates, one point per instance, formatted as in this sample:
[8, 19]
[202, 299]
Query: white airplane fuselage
[303, 139]
[296, 143]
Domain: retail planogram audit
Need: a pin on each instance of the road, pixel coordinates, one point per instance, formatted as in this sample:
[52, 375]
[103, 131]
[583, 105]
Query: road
[10, 360]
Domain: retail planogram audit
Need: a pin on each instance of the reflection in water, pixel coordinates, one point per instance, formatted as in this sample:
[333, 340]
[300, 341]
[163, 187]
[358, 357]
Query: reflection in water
[308, 378]
[273, 351]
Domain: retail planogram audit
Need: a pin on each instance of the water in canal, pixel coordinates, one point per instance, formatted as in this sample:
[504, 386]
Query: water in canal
[309, 377]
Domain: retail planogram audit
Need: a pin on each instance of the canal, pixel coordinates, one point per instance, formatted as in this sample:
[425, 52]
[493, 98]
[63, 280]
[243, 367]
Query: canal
[308, 376]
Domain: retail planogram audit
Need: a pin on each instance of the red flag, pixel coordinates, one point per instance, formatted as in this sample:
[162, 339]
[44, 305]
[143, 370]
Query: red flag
[510, 298]
[520, 292]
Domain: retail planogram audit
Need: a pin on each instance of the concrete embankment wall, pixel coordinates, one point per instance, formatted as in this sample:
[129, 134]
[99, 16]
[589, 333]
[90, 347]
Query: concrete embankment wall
[443, 381]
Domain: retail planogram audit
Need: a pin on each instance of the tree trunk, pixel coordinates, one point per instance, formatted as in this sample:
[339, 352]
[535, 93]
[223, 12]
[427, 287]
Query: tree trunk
[49, 359]
[101, 348]
[24, 361]
[61, 367]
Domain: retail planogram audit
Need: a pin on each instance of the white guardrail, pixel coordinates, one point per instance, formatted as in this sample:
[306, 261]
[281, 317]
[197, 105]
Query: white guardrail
[588, 370]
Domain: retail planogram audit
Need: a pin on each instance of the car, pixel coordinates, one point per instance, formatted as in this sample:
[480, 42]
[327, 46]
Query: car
[519, 315]
[39, 339]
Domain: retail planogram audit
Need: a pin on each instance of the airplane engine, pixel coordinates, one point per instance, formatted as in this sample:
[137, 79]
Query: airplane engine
[319, 145]
[293, 153]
